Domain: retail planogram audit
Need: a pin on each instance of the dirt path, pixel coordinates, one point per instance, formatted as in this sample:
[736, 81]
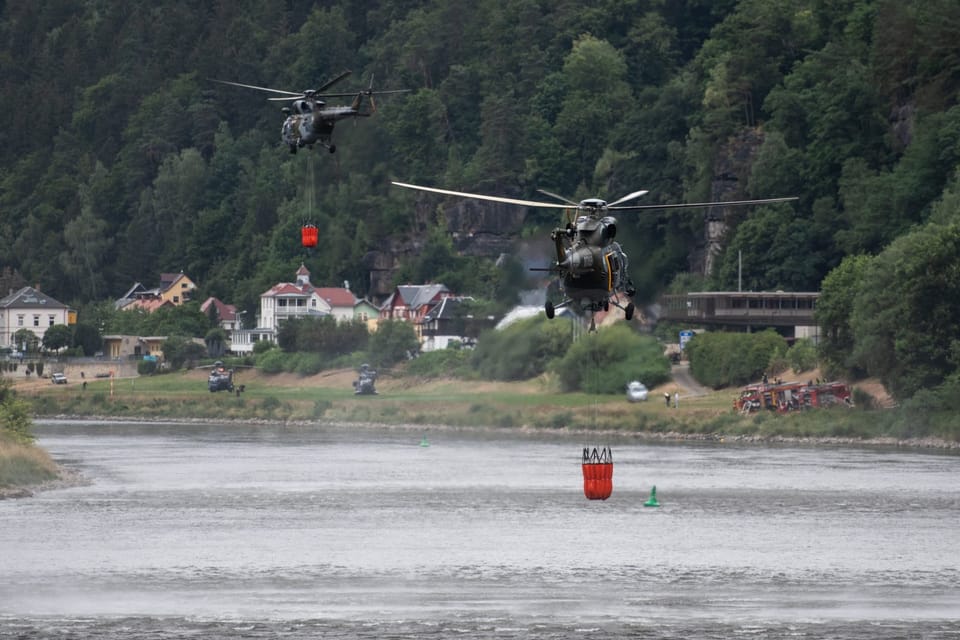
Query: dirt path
[681, 375]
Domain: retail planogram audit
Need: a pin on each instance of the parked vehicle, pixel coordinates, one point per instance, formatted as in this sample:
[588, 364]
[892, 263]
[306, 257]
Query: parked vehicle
[58, 378]
[783, 397]
[636, 391]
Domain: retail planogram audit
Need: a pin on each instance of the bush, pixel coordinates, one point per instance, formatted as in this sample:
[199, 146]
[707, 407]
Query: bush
[605, 361]
[392, 342]
[440, 364]
[273, 361]
[721, 359]
[522, 350]
[802, 356]
[146, 367]
[307, 364]
[262, 346]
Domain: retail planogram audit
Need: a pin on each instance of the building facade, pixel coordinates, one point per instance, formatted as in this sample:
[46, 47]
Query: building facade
[32, 310]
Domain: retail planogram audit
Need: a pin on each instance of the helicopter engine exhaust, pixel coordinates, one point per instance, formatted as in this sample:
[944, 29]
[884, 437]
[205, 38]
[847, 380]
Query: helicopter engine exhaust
[579, 259]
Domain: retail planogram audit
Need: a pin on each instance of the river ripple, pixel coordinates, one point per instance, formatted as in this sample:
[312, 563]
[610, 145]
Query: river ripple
[228, 531]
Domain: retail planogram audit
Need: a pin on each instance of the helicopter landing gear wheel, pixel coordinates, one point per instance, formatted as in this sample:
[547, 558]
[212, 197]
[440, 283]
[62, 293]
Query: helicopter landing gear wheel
[293, 148]
[628, 312]
[548, 309]
[606, 305]
[333, 148]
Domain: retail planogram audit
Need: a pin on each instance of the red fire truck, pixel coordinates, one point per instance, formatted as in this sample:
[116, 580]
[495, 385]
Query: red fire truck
[784, 397]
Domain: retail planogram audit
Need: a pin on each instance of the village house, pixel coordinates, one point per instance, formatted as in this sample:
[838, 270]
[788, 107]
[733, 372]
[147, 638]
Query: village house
[290, 300]
[411, 302]
[448, 321]
[33, 310]
[175, 289]
[227, 317]
[122, 347]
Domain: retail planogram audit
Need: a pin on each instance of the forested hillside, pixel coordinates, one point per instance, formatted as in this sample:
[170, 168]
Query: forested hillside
[120, 159]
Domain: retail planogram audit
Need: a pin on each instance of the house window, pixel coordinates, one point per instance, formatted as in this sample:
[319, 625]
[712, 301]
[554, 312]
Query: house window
[363, 316]
[36, 319]
[50, 319]
[20, 320]
[176, 299]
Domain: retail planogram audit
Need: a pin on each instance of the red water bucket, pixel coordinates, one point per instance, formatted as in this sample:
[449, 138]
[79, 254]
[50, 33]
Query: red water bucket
[309, 235]
[597, 473]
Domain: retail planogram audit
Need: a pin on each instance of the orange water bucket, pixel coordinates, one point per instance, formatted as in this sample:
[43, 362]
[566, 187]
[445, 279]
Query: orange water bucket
[597, 473]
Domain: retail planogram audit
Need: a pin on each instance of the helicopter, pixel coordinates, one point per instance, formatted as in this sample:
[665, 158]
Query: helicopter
[220, 378]
[592, 267]
[364, 385]
[309, 120]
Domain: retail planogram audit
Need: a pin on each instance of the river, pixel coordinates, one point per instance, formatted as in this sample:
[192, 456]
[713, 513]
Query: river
[227, 531]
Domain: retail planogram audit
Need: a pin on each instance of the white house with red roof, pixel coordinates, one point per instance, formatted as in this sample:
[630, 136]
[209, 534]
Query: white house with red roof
[298, 299]
[341, 300]
[286, 300]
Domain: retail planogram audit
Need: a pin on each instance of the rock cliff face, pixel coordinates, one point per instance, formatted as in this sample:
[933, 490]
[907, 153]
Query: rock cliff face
[731, 170]
[477, 228]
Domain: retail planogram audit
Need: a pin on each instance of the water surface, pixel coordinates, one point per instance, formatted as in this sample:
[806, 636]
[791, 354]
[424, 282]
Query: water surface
[237, 531]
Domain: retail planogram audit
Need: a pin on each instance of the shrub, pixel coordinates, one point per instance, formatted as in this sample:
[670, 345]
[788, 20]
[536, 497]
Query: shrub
[522, 350]
[307, 364]
[606, 360]
[392, 342]
[146, 367]
[721, 359]
[441, 363]
[262, 346]
[802, 356]
[272, 361]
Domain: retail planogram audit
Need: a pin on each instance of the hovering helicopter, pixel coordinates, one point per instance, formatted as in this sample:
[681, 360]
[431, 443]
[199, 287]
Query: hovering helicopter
[591, 265]
[309, 119]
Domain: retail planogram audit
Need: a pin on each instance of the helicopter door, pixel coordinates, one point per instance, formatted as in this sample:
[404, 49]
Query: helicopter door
[613, 270]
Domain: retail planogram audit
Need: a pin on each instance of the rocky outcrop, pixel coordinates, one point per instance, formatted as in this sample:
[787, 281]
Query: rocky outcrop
[731, 171]
[477, 228]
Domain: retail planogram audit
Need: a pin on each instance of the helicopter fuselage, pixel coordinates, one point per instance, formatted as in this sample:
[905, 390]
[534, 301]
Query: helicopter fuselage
[589, 275]
[307, 127]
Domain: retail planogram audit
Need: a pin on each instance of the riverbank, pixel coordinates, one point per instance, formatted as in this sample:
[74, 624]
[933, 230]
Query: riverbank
[647, 436]
[409, 402]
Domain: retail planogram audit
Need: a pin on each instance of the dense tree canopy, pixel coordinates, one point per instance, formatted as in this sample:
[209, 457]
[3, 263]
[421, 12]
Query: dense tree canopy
[120, 159]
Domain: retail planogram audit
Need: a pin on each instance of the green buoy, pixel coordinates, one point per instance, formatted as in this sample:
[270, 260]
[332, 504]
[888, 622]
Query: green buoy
[652, 502]
[424, 443]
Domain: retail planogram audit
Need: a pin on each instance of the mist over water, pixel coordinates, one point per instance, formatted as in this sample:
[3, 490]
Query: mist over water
[225, 531]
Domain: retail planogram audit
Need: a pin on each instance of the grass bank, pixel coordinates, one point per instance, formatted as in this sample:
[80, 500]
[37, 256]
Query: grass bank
[24, 465]
[533, 404]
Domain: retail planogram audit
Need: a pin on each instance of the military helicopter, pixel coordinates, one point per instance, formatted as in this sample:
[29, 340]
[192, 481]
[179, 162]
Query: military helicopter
[364, 385]
[591, 265]
[309, 119]
[220, 378]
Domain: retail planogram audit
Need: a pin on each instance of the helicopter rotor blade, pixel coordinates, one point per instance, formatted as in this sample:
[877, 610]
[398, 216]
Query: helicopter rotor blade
[330, 83]
[461, 194]
[558, 197]
[694, 205]
[629, 196]
[293, 94]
